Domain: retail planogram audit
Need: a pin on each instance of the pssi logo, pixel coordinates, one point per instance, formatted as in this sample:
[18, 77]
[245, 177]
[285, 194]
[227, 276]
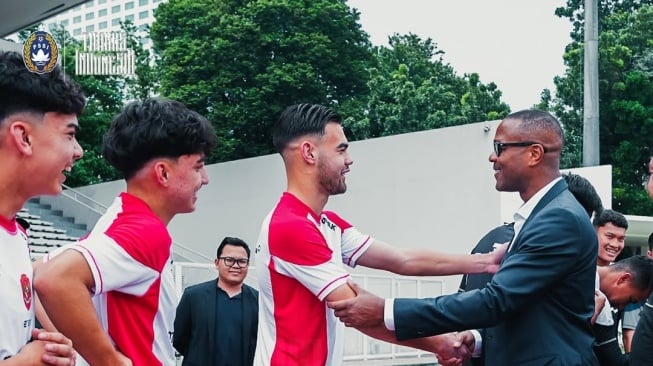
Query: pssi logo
[26, 288]
[40, 52]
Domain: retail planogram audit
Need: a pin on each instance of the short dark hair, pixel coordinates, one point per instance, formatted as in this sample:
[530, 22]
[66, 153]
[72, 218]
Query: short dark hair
[640, 267]
[300, 120]
[155, 128]
[650, 242]
[584, 193]
[610, 216]
[537, 120]
[232, 241]
[25, 91]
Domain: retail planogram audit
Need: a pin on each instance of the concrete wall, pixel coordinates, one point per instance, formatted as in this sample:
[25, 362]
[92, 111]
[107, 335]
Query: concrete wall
[10, 46]
[432, 189]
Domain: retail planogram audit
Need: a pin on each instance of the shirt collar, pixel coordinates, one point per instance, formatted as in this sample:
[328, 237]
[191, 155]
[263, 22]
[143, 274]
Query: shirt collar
[527, 208]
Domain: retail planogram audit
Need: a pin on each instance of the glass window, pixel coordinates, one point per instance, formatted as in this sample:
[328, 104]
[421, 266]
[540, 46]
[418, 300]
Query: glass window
[142, 15]
[102, 25]
[115, 21]
[77, 32]
[64, 23]
[129, 5]
[101, 1]
[90, 16]
[115, 9]
[142, 2]
[102, 12]
[90, 28]
[77, 19]
[130, 17]
[89, 4]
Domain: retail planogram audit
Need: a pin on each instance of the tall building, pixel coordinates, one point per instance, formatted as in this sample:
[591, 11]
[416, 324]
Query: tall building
[105, 16]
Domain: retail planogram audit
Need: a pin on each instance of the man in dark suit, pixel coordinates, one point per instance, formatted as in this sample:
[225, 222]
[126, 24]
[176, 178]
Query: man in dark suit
[585, 194]
[642, 345]
[540, 302]
[217, 321]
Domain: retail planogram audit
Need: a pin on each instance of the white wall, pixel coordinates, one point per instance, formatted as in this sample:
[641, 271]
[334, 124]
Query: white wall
[10, 46]
[432, 189]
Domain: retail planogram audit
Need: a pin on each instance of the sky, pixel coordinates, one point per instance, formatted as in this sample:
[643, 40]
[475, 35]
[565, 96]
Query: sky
[517, 44]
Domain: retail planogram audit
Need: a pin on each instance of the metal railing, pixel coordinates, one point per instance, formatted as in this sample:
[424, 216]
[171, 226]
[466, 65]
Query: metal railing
[360, 349]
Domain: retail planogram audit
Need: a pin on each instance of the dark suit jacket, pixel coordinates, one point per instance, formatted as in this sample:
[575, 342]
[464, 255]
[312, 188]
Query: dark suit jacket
[540, 301]
[194, 335]
[642, 349]
[500, 234]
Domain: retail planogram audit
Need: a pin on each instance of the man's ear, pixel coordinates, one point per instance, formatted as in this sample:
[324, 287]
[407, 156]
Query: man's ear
[625, 277]
[20, 135]
[308, 151]
[536, 154]
[161, 172]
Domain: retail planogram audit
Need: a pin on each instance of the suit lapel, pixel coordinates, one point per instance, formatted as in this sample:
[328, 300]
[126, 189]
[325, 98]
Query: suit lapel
[211, 294]
[245, 294]
[548, 197]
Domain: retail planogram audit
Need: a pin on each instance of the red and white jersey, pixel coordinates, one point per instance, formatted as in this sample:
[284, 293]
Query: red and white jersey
[129, 252]
[17, 309]
[299, 258]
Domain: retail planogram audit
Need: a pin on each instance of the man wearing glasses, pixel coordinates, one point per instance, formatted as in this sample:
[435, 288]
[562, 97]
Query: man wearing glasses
[217, 320]
[540, 301]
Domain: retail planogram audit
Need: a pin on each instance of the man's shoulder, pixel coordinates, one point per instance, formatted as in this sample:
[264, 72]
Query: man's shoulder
[251, 290]
[200, 286]
[499, 235]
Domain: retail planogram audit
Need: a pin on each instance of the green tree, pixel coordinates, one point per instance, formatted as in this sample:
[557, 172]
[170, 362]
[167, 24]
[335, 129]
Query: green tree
[625, 94]
[241, 62]
[104, 100]
[105, 95]
[143, 84]
[412, 89]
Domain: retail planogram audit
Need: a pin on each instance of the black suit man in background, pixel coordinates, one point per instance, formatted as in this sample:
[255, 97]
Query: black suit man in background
[217, 320]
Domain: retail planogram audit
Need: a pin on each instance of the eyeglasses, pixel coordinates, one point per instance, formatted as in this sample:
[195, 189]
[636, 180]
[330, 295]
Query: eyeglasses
[500, 146]
[230, 261]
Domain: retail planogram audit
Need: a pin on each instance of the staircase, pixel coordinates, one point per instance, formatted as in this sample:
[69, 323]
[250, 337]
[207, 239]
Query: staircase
[48, 228]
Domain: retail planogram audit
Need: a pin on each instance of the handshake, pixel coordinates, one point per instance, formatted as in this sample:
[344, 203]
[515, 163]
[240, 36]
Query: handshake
[365, 312]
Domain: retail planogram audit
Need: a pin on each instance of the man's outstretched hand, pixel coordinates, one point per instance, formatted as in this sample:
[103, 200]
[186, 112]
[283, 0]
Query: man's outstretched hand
[497, 255]
[363, 311]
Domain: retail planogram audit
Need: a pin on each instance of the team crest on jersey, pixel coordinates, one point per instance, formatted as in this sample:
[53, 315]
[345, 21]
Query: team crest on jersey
[40, 52]
[26, 288]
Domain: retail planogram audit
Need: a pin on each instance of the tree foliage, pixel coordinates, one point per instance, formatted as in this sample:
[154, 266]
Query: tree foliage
[625, 94]
[143, 84]
[105, 95]
[412, 89]
[241, 62]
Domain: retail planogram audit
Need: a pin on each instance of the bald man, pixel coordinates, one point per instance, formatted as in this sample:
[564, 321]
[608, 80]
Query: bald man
[540, 302]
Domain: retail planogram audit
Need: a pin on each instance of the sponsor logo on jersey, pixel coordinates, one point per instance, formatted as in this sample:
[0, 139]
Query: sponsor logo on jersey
[328, 223]
[40, 52]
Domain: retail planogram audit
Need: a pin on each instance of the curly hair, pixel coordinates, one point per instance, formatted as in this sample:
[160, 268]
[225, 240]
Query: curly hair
[155, 128]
